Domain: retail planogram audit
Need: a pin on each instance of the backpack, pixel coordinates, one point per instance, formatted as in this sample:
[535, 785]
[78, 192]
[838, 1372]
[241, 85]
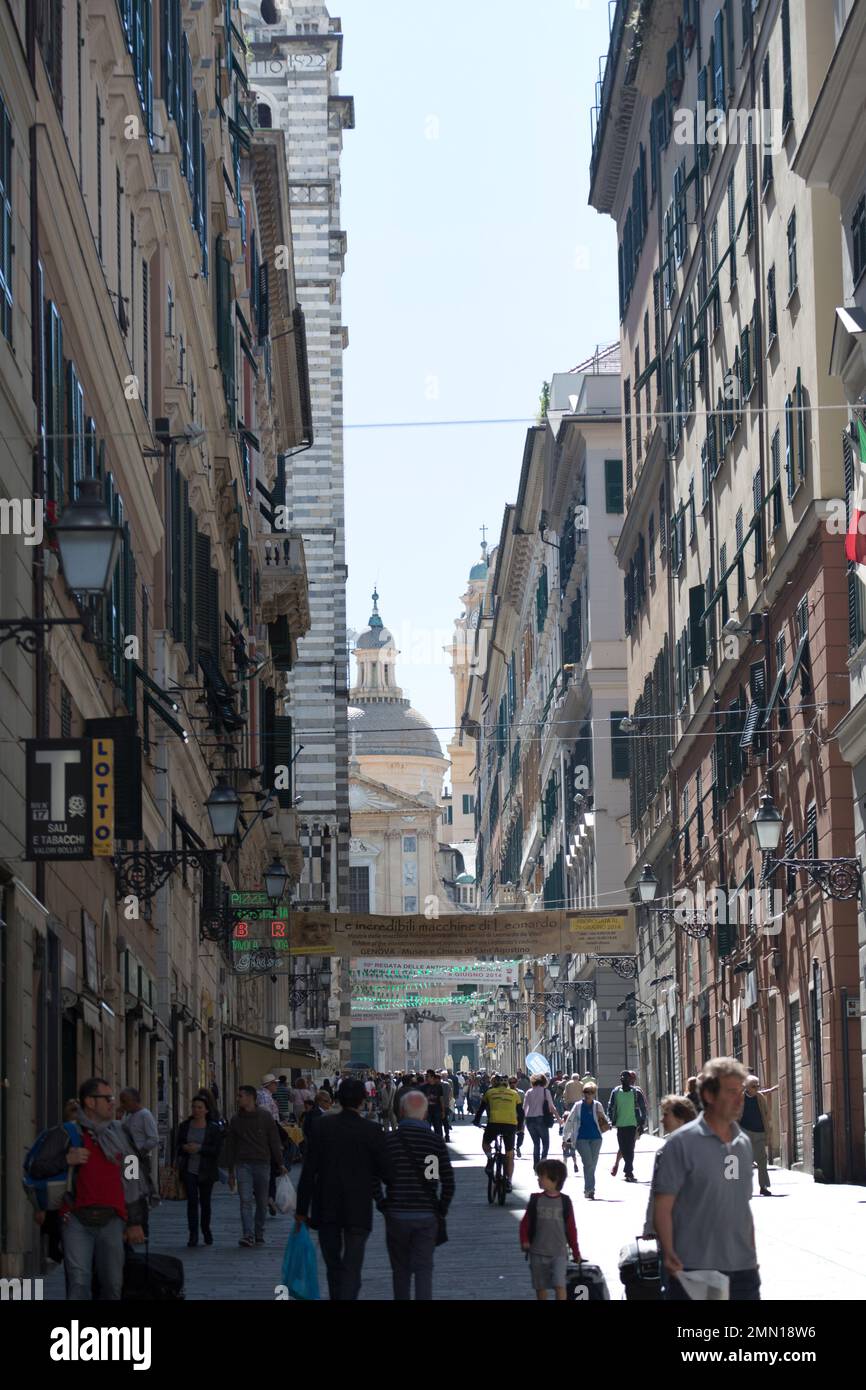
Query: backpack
[47, 1180]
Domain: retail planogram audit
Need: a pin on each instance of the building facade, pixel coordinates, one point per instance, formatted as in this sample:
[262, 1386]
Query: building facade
[139, 350]
[829, 156]
[729, 276]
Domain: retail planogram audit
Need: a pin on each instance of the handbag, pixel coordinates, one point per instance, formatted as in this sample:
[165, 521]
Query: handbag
[547, 1112]
[442, 1227]
[171, 1185]
[600, 1118]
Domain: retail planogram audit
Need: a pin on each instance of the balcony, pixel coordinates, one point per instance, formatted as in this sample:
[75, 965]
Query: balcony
[284, 589]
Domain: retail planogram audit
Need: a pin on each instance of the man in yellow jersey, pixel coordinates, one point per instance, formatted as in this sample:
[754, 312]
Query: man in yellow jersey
[504, 1113]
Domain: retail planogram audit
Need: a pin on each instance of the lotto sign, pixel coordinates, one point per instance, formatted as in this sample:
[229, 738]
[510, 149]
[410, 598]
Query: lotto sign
[58, 799]
[103, 798]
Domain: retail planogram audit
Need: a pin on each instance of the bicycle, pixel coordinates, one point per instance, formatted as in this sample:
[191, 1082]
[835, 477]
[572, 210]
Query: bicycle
[497, 1181]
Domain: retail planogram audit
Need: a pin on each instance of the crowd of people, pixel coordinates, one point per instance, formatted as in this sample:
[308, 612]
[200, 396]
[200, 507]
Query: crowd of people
[386, 1144]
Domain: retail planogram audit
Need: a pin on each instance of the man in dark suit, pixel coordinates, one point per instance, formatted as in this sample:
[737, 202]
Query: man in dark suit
[346, 1160]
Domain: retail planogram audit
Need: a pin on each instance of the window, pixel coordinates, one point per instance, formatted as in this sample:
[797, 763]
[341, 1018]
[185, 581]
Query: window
[410, 904]
[619, 746]
[732, 230]
[662, 512]
[651, 544]
[410, 844]
[49, 36]
[772, 321]
[468, 805]
[359, 889]
[723, 567]
[745, 365]
[787, 90]
[741, 564]
[767, 138]
[792, 253]
[680, 220]
[714, 265]
[717, 58]
[638, 438]
[858, 239]
[145, 335]
[626, 400]
[613, 498]
[693, 521]
[776, 471]
[5, 222]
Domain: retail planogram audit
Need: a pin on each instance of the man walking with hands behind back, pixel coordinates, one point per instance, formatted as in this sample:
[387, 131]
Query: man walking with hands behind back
[344, 1164]
[703, 1187]
[251, 1146]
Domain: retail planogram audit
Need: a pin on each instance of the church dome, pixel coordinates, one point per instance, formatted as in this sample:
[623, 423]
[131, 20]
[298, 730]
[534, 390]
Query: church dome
[392, 728]
[375, 635]
[480, 570]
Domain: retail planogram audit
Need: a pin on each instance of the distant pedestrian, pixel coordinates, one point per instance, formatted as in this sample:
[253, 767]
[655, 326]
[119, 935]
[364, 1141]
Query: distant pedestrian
[676, 1111]
[252, 1148]
[703, 1188]
[412, 1205]
[541, 1113]
[448, 1103]
[344, 1162]
[626, 1110]
[584, 1127]
[573, 1091]
[196, 1158]
[283, 1097]
[387, 1100]
[265, 1095]
[473, 1093]
[757, 1121]
[435, 1092]
[460, 1097]
[141, 1127]
[548, 1232]
[692, 1093]
[521, 1123]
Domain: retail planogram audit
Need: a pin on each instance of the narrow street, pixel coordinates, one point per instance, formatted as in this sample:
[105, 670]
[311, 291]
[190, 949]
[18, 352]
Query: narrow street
[810, 1237]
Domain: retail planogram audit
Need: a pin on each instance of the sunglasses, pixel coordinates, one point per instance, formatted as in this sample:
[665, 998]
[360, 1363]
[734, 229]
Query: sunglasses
[102, 1095]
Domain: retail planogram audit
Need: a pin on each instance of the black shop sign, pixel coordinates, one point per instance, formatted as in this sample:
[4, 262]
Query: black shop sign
[59, 792]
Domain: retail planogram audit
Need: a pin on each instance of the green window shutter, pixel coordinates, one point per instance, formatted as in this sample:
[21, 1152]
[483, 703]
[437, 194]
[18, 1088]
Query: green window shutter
[129, 618]
[203, 592]
[613, 494]
[175, 543]
[74, 430]
[619, 746]
[264, 301]
[718, 51]
[55, 414]
[282, 756]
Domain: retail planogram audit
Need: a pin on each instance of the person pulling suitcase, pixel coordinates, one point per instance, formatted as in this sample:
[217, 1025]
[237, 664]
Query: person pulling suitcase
[548, 1232]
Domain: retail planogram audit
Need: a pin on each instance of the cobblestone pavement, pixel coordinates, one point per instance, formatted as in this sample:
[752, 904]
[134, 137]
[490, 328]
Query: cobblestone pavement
[810, 1237]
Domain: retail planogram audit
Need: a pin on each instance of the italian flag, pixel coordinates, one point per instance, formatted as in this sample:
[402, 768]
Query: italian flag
[855, 541]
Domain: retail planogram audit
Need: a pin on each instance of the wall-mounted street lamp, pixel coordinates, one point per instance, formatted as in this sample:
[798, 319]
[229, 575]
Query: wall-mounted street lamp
[89, 543]
[276, 880]
[223, 807]
[694, 923]
[839, 879]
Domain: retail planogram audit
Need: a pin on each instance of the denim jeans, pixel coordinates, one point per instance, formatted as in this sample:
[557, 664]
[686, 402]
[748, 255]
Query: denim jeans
[540, 1132]
[627, 1138]
[85, 1245]
[253, 1180]
[198, 1194]
[745, 1286]
[589, 1150]
[411, 1239]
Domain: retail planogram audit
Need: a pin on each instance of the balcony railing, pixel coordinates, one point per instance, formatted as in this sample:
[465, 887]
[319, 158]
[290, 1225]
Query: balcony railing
[604, 83]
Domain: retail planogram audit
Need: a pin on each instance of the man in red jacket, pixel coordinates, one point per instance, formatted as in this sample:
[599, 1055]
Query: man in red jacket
[108, 1203]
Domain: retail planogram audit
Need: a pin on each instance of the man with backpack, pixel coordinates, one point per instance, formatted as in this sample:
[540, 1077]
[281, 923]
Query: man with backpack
[103, 1203]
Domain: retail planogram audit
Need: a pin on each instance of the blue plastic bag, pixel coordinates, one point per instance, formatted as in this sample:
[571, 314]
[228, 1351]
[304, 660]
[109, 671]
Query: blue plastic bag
[300, 1270]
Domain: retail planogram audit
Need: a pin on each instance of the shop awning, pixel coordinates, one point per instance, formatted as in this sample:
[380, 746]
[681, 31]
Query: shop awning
[257, 1055]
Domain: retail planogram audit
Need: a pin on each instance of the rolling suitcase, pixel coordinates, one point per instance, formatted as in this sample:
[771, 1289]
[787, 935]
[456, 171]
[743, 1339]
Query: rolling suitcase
[152, 1278]
[640, 1270]
[585, 1283]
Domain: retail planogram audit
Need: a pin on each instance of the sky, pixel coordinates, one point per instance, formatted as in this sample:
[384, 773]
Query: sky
[475, 269]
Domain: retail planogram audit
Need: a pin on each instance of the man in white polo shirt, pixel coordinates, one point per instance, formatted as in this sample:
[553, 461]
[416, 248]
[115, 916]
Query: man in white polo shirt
[703, 1187]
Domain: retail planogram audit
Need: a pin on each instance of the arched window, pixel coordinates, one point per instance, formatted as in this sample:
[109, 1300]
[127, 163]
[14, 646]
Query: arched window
[265, 116]
[387, 682]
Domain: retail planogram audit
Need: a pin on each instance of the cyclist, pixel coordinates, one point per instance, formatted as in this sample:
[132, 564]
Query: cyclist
[521, 1133]
[504, 1115]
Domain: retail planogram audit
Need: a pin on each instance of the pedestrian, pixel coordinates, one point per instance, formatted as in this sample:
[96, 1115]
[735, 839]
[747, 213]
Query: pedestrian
[435, 1092]
[448, 1103]
[107, 1209]
[757, 1121]
[557, 1087]
[141, 1127]
[326, 1086]
[196, 1158]
[676, 1111]
[283, 1097]
[548, 1232]
[387, 1091]
[345, 1159]
[318, 1109]
[301, 1092]
[413, 1208]
[573, 1091]
[541, 1113]
[585, 1125]
[703, 1187]
[407, 1084]
[692, 1093]
[265, 1095]
[460, 1097]
[473, 1094]
[521, 1128]
[252, 1149]
[626, 1110]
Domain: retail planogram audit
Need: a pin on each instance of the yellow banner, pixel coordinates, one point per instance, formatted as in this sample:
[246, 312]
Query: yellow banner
[103, 797]
[465, 935]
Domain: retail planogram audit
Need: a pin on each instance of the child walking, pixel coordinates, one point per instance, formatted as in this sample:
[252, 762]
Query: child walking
[548, 1232]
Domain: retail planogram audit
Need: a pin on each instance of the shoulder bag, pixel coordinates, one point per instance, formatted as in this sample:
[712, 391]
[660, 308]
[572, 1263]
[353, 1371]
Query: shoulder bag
[600, 1118]
[546, 1110]
[442, 1230]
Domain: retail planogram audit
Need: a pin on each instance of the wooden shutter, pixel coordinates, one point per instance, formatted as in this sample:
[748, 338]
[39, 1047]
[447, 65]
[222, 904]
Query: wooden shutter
[54, 405]
[697, 628]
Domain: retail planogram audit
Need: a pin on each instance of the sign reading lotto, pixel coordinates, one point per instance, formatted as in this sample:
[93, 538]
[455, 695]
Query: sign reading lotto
[58, 795]
[508, 935]
[103, 798]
